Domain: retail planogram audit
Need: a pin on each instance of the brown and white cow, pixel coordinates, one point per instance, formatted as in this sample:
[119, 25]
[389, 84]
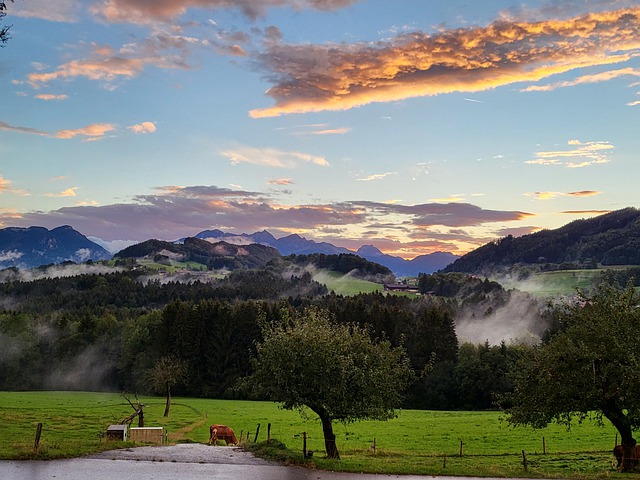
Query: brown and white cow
[222, 432]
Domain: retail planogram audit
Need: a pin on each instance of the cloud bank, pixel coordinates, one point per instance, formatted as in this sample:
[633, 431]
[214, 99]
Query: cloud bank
[313, 78]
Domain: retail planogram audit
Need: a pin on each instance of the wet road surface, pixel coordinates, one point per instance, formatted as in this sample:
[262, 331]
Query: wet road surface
[184, 461]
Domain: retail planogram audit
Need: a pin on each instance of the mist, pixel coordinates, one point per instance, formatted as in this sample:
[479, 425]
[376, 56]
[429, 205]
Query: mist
[520, 320]
[56, 271]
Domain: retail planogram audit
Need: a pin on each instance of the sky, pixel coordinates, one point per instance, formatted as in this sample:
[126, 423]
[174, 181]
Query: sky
[412, 125]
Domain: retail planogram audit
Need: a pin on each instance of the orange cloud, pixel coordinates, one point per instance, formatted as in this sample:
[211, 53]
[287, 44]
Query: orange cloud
[94, 131]
[312, 78]
[69, 192]
[48, 96]
[144, 127]
[107, 70]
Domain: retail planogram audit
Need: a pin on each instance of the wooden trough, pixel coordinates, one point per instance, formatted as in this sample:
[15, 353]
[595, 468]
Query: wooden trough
[147, 434]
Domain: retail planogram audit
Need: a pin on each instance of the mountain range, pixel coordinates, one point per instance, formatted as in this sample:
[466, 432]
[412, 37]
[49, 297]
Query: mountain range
[295, 244]
[35, 246]
[609, 239]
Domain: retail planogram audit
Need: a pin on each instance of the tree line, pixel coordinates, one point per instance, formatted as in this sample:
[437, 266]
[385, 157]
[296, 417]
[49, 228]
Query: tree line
[108, 331]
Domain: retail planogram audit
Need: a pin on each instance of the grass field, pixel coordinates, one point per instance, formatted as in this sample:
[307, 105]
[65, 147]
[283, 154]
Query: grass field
[419, 442]
[345, 284]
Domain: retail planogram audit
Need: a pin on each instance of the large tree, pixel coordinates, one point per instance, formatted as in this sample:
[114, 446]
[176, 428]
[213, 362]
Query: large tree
[336, 371]
[591, 365]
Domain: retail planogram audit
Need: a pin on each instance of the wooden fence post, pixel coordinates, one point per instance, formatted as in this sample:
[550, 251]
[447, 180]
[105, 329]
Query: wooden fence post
[304, 444]
[544, 446]
[444, 461]
[374, 445]
[257, 432]
[524, 461]
[268, 432]
[38, 434]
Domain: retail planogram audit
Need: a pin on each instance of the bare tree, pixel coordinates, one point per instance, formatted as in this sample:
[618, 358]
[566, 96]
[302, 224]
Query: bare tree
[167, 372]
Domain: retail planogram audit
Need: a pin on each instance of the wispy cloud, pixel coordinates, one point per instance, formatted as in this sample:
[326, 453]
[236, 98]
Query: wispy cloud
[331, 131]
[584, 79]
[376, 176]
[579, 155]
[7, 186]
[552, 195]
[272, 157]
[144, 127]
[280, 181]
[12, 128]
[311, 78]
[144, 11]
[103, 63]
[64, 11]
[316, 129]
[591, 213]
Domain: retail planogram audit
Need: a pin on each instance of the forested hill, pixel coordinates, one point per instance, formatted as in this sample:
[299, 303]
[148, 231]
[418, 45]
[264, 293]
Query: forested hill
[610, 239]
[346, 263]
[213, 255]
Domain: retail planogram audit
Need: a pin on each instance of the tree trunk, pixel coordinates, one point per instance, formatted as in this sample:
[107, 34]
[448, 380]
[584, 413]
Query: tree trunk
[329, 437]
[168, 404]
[621, 422]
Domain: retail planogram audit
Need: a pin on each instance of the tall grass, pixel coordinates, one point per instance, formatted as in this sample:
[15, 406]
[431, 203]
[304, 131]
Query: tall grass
[419, 442]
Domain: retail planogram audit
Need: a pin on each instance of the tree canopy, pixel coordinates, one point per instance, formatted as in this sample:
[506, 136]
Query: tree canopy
[336, 371]
[591, 365]
[4, 29]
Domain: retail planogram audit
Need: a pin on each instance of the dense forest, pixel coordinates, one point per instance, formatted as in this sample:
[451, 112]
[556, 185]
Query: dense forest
[107, 331]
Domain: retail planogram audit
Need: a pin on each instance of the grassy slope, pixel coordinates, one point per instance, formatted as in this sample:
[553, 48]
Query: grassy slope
[345, 284]
[415, 442]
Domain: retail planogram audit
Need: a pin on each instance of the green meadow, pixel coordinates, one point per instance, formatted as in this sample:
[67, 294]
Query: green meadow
[418, 442]
[345, 284]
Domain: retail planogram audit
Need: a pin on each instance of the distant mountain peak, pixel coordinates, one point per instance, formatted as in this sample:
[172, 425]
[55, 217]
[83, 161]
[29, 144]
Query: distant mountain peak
[369, 250]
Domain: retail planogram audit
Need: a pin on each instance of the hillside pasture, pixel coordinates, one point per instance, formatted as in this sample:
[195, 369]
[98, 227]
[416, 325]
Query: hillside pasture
[419, 442]
[345, 284]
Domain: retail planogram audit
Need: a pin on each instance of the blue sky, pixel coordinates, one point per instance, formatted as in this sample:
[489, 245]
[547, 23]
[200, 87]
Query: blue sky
[413, 125]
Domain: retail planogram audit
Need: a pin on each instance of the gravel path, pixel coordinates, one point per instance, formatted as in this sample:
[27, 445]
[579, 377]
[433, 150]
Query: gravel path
[185, 453]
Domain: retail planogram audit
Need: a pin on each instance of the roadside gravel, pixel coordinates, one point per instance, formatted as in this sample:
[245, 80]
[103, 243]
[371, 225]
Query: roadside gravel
[184, 453]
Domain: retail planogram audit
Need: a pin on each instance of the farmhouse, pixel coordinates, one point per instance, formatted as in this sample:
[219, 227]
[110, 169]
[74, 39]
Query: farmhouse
[400, 287]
